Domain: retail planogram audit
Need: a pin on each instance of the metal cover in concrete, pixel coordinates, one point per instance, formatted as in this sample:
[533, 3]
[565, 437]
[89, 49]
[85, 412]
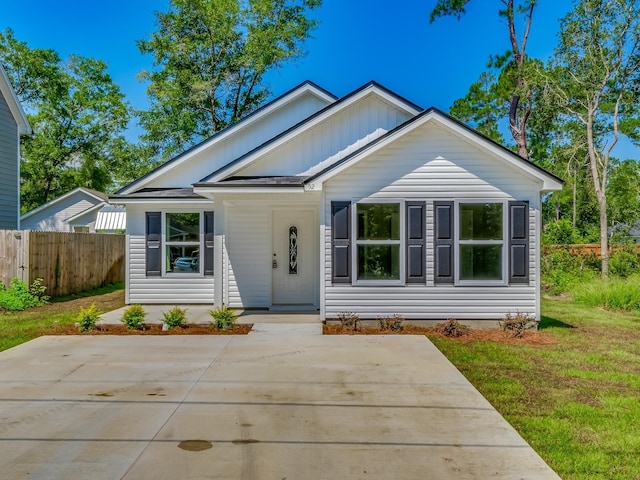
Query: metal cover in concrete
[249, 407]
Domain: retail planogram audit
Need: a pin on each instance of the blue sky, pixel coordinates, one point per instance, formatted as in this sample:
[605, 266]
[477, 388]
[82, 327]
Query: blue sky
[356, 41]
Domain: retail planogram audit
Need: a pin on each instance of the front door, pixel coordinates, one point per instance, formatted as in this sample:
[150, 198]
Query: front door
[294, 258]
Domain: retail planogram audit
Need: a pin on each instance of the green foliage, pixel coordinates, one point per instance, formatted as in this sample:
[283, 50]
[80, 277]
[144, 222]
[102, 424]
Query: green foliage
[517, 323]
[350, 321]
[133, 317]
[561, 269]
[452, 328]
[210, 57]
[612, 294]
[223, 317]
[561, 232]
[176, 317]
[78, 115]
[87, 318]
[391, 323]
[20, 296]
[625, 261]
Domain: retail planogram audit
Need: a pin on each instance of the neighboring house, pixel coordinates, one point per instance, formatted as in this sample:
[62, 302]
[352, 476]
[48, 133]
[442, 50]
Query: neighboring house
[13, 123]
[365, 204]
[81, 210]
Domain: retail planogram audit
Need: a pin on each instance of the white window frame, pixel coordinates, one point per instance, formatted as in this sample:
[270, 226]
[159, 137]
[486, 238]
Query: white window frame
[356, 242]
[199, 243]
[504, 243]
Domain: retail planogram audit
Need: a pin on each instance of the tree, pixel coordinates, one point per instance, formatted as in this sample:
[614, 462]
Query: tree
[514, 63]
[595, 84]
[210, 58]
[77, 113]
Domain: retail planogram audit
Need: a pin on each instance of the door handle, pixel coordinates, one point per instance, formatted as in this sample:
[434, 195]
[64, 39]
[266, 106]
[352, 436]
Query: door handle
[274, 263]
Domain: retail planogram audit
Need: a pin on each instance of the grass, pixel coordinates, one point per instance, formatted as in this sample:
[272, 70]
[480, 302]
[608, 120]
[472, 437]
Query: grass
[576, 402]
[56, 316]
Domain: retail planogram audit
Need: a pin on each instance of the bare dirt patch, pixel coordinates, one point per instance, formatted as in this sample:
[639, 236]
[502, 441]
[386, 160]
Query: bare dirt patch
[491, 335]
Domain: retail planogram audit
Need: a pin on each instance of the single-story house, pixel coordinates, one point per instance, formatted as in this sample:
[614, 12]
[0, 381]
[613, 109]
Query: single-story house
[13, 124]
[365, 203]
[81, 210]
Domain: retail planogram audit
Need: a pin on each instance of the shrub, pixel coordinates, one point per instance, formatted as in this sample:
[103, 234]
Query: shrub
[624, 261]
[452, 328]
[391, 323]
[223, 317]
[176, 317]
[517, 323]
[133, 317]
[561, 269]
[349, 321]
[20, 296]
[88, 317]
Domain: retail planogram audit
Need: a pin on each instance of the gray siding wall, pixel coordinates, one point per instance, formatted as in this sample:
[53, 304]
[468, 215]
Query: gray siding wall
[9, 168]
[431, 164]
[159, 290]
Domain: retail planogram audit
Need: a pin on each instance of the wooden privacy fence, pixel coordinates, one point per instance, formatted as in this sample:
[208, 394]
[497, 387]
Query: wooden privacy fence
[66, 262]
[588, 249]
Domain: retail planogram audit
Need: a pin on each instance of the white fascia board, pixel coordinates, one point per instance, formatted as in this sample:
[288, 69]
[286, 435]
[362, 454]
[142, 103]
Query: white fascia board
[85, 212]
[547, 182]
[226, 133]
[249, 190]
[14, 104]
[329, 112]
[181, 201]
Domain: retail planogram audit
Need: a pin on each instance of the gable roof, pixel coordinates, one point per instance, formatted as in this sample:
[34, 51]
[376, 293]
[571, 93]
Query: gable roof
[99, 197]
[369, 88]
[14, 104]
[550, 181]
[305, 87]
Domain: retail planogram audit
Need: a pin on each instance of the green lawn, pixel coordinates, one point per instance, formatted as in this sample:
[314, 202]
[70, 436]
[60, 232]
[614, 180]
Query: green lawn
[576, 402]
[20, 327]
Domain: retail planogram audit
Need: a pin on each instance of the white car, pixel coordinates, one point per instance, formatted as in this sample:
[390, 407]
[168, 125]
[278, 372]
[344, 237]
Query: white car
[186, 264]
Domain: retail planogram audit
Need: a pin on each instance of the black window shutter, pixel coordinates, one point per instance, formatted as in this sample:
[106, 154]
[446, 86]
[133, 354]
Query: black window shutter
[341, 242]
[153, 252]
[415, 242]
[443, 242]
[208, 244]
[518, 242]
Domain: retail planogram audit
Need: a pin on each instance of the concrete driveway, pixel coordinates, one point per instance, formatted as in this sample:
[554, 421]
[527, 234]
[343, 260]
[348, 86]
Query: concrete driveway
[262, 406]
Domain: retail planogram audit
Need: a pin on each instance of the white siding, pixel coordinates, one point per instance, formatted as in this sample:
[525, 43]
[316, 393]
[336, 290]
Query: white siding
[53, 218]
[331, 140]
[209, 160]
[430, 164]
[9, 194]
[159, 290]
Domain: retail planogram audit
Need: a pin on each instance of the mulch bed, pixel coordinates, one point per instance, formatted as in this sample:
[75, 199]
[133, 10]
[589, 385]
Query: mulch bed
[152, 330]
[489, 335]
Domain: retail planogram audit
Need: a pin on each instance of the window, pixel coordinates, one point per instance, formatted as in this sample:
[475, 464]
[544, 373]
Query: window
[182, 242]
[378, 242]
[481, 246]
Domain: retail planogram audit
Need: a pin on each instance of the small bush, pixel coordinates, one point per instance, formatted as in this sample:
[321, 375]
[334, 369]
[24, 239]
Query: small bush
[176, 317]
[452, 328]
[391, 323]
[223, 317]
[87, 318]
[133, 317]
[20, 296]
[624, 262]
[349, 321]
[517, 323]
